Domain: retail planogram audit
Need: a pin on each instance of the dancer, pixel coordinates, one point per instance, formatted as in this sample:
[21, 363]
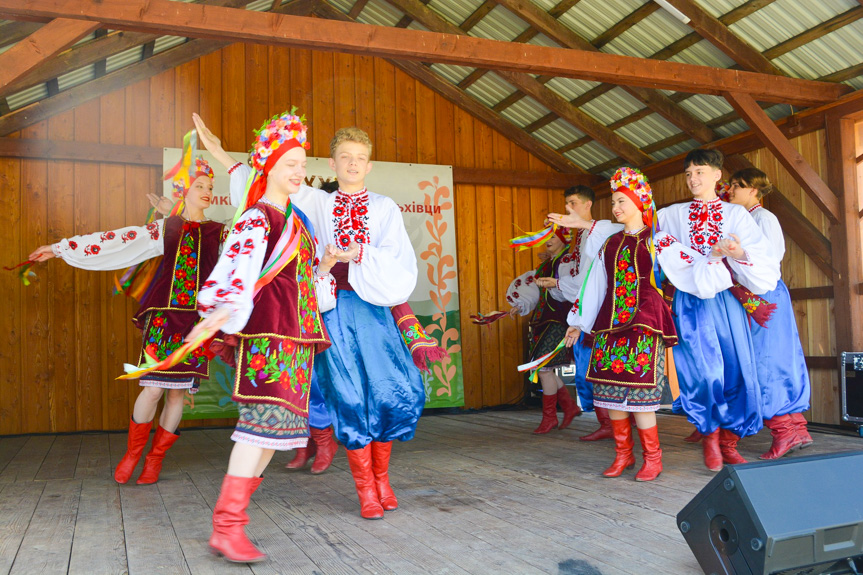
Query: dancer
[264, 295]
[631, 325]
[588, 237]
[546, 329]
[700, 244]
[371, 386]
[781, 367]
[166, 314]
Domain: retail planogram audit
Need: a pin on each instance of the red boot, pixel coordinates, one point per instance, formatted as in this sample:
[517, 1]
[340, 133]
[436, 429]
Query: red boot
[303, 455]
[162, 442]
[138, 435]
[360, 462]
[604, 431]
[380, 468]
[623, 458]
[549, 414]
[693, 437]
[254, 484]
[800, 423]
[785, 436]
[327, 448]
[652, 454]
[712, 454]
[728, 447]
[569, 406]
[230, 518]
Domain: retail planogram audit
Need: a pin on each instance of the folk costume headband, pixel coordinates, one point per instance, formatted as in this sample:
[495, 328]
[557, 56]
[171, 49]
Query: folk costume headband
[633, 184]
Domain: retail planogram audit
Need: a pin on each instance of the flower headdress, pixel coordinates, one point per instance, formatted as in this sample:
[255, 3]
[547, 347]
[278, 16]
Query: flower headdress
[198, 169]
[723, 190]
[634, 185]
[276, 136]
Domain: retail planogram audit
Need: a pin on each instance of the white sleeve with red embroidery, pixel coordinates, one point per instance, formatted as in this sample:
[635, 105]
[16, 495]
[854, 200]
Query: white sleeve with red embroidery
[231, 285]
[112, 250]
[325, 288]
[759, 271]
[385, 272]
[523, 293]
[688, 270]
[584, 311]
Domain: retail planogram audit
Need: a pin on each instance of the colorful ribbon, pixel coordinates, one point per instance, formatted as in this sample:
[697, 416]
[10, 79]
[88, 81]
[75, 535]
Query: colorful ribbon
[24, 271]
[137, 279]
[184, 171]
[532, 239]
[287, 248]
[488, 319]
[152, 363]
[537, 364]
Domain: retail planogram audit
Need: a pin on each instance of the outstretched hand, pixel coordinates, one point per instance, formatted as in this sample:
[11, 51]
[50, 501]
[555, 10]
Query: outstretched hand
[41, 254]
[205, 136]
[163, 204]
[572, 334]
[571, 220]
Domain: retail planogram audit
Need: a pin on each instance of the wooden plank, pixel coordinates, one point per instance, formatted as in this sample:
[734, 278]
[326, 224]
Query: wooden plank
[235, 134]
[17, 503]
[280, 71]
[462, 175]
[385, 141]
[12, 32]
[796, 165]
[822, 29]
[11, 324]
[426, 129]
[818, 292]
[99, 540]
[625, 24]
[720, 36]
[40, 46]
[405, 104]
[194, 20]
[345, 112]
[47, 545]
[26, 463]
[256, 100]
[61, 459]
[151, 542]
[322, 112]
[79, 151]
[364, 84]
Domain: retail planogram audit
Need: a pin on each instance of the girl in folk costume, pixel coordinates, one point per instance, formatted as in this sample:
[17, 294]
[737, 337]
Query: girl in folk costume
[370, 383]
[782, 373]
[700, 244]
[190, 246]
[631, 324]
[547, 327]
[588, 236]
[263, 294]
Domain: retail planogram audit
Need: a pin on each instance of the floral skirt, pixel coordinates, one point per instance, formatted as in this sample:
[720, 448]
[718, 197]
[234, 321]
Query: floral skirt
[544, 338]
[270, 427]
[627, 370]
[165, 331]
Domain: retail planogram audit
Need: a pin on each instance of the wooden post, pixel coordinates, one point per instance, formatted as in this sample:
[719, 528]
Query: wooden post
[845, 234]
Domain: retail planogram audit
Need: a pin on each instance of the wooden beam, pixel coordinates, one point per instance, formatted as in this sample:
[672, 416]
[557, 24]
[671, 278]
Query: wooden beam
[195, 20]
[478, 15]
[656, 101]
[787, 155]
[79, 152]
[847, 250]
[815, 32]
[822, 362]
[357, 8]
[807, 293]
[50, 39]
[577, 118]
[795, 225]
[12, 32]
[628, 22]
[720, 36]
[844, 74]
[452, 93]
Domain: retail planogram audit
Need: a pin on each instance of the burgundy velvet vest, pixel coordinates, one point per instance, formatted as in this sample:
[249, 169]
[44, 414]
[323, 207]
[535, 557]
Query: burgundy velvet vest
[549, 310]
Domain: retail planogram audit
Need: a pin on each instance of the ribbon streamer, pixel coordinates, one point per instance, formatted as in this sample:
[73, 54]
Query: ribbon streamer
[531, 239]
[24, 271]
[183, 172]
[537, 364]
[137, 279]
[488, 319]
[151, 363]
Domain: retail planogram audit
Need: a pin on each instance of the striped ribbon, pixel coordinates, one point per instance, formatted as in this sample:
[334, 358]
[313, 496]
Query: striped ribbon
[537, 364]
[151, 363]
[531, 239]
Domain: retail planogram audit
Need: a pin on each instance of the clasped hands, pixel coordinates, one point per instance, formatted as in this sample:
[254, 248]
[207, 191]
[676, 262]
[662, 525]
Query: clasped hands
[729, 247]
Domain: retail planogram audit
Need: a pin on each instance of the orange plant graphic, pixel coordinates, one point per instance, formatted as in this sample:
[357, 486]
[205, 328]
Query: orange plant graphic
[439, 272]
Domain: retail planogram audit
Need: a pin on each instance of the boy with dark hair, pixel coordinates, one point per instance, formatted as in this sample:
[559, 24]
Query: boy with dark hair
[701, 243]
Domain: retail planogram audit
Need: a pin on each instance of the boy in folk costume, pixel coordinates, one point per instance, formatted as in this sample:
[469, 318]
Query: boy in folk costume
[370, 383]
[781, 366]
[264, 294]
[701, 243]
[190, 244]
[631, 326]
[547, 327]
[588, 237]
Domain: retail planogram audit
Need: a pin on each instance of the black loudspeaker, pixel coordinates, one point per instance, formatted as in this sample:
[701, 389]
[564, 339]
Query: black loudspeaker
[800, 516]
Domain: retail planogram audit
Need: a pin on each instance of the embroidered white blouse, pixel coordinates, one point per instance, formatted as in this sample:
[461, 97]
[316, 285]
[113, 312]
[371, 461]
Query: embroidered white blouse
[112, 250]
[573, 269]
[232, 282]
[771, 228]
[385, 271]
[688, 233]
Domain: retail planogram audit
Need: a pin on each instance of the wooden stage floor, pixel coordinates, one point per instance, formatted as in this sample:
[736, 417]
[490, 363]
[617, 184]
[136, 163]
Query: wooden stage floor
[478, 493]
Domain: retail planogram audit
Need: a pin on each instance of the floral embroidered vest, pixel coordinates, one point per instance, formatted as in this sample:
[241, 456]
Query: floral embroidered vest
[287, 307]
[191, 253]
[630, 300]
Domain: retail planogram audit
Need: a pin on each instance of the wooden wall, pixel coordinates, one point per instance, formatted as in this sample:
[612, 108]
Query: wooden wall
[814, 316]
[66, 337]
